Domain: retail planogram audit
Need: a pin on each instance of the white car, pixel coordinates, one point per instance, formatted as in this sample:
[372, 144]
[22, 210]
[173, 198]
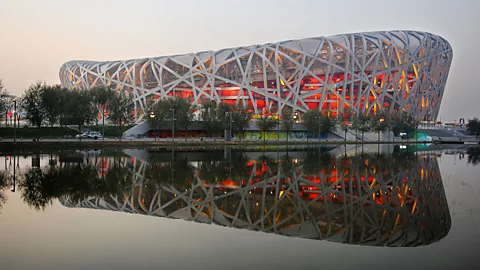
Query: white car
[89, 135]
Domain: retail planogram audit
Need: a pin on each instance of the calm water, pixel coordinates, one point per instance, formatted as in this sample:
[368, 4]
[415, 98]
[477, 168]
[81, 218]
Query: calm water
[382, 207]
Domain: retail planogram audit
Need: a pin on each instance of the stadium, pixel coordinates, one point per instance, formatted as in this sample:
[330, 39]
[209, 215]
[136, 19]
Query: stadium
[358, 73]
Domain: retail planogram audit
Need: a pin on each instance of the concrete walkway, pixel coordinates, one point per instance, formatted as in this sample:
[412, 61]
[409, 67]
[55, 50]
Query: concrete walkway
[180, 142]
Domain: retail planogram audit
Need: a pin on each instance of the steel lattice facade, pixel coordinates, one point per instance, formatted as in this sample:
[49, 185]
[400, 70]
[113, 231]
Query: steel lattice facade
[359, 73]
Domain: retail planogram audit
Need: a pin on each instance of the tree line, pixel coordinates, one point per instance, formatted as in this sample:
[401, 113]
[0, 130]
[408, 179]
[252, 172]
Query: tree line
[177, 114]
[54, 105]
[215, 117]
[474, 126]
[5, 100]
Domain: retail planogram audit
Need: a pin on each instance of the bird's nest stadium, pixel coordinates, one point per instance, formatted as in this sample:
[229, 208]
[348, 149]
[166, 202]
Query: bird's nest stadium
[358, 73]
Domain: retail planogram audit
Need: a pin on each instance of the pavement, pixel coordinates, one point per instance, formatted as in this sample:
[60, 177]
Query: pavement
[115, 141]
[179, 140]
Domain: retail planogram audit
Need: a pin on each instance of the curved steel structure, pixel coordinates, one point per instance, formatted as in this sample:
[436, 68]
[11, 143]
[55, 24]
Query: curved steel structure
[360, 72]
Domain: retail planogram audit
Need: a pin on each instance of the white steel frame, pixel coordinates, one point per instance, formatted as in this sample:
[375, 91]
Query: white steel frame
[361, 72]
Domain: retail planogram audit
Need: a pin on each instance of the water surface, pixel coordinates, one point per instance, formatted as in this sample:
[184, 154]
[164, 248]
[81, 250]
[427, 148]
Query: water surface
[380, 206]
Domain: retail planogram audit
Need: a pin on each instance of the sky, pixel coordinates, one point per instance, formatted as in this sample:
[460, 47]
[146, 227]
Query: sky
[37, 37]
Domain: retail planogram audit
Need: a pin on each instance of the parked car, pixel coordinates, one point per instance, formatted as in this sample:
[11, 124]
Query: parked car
[89, 135]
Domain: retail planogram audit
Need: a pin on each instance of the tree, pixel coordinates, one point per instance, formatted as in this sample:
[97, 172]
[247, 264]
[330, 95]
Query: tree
[265, 123]
[3, 185]
[64, 102]
[287, 120]
[211, 118]
[344, 126]
[240, 120]
[311, 122]
[5, 100]
[224, 111]
[361, 123]
[327, 124]
[31, 103]
[50, 96]
[225, 114]
[79, 108]
[100, 96]
[474, 155]
[403, 122]
[388, 122]
[381, 122]
[183, 113]
[120, 104]
[474, 126]
[159, 113]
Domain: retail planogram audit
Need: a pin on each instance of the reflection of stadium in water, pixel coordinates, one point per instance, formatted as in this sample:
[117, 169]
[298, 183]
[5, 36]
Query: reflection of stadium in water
[380, 200]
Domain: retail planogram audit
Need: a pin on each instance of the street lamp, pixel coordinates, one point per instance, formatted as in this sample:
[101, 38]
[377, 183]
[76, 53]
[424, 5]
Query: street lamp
[278, 127]
[152, 116]
[173, 124]
[230, 123]
[14, 121]
[103, 121]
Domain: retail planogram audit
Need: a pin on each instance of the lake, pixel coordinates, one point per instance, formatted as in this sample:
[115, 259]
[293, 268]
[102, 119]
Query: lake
[357, 207]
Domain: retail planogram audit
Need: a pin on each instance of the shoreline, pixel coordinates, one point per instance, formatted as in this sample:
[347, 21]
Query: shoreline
[8, 145]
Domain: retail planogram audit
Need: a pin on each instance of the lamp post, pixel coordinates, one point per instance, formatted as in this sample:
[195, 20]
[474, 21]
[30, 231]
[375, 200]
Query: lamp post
[173, 124]
[103, 122]
[172, 165]
[152, 116]
[318, 117]
[278, 128]
[231, 121]
[14, 171]
[14, 121]
[229, 114]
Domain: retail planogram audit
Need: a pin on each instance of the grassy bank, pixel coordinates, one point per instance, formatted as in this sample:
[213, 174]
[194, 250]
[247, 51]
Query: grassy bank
[43, 132]
[56, 132]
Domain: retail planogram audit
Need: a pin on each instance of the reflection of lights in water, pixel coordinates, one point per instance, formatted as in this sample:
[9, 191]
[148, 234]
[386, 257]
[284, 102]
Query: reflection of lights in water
[381, 194]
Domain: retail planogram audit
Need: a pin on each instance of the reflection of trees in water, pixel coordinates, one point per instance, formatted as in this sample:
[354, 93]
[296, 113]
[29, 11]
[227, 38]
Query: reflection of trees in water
[3, 187]
[40, 186]
[318, 160]
[395, 200]
[474, 155]
[174, 170]
[214, 168]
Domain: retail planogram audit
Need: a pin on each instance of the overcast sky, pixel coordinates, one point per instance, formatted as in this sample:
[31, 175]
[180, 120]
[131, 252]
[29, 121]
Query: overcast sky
[37, 37]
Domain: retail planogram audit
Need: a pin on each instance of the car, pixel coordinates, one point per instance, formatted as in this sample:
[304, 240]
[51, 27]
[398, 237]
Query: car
[89, 135]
